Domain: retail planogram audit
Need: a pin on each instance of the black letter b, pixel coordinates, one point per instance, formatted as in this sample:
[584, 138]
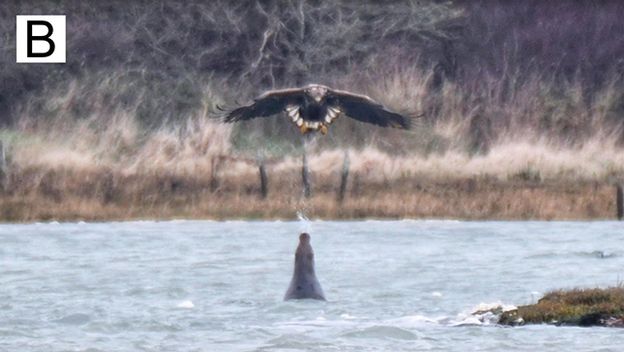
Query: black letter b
[30, 38]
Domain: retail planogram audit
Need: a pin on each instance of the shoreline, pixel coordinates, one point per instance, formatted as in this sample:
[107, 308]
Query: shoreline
[280, 220]
[68, 197]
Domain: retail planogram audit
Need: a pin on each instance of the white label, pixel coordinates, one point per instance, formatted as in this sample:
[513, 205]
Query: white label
[40, 39]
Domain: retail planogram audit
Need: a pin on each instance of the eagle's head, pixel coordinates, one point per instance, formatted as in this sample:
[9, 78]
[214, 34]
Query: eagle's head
[316, 91]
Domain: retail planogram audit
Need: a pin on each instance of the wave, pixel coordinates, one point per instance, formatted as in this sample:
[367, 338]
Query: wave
[598, 254]
[483, 314]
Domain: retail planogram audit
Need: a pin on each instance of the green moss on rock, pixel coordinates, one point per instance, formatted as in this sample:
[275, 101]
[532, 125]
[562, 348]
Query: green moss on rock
[579, 307]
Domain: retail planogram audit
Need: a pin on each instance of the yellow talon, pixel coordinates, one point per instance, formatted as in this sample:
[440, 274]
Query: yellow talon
[303, 129]
[323, 129]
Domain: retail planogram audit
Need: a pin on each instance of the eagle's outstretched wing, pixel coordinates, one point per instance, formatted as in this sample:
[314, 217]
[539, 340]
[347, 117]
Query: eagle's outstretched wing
[365, 109]
[269, 103]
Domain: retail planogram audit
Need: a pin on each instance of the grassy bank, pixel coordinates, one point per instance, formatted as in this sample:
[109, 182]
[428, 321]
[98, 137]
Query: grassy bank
[100, 199]
[579, 307]
[194, 172]
[87, 149]
[67, 161]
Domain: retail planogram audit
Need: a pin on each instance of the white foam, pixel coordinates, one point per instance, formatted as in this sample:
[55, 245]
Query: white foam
[472, 320]
[414, 320]
[492, 306]
[482, 314]
[188, 304]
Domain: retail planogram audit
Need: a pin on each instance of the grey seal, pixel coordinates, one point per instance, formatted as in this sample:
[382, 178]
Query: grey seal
[304, 283]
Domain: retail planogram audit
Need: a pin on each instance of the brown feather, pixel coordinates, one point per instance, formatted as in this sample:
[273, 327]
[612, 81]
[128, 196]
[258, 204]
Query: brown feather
[269, 103]
[365, 109]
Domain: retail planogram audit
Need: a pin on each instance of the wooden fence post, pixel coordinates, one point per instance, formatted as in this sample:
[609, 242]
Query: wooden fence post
[344, 176]
[264, 187]
[619, 201]
[4, 172]
[356, 186]
[305, 175]
[214, 168]
[3, 162]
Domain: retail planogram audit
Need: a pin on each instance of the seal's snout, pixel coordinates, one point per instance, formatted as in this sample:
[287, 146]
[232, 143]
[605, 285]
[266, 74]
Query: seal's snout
[304, 238]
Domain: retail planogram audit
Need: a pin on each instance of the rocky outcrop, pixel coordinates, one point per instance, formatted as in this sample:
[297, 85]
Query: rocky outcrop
[577, 307]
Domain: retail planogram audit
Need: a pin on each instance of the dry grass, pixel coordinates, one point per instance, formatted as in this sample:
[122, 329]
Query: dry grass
[36, 193]
[480, 157]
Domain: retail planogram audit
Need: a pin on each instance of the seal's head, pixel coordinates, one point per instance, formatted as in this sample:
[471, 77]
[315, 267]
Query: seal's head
[304, 238]
[304, 253]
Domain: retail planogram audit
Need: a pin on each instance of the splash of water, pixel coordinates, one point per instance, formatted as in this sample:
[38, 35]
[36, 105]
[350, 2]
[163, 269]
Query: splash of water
[304, 221]
[308, 141]
[301, 216]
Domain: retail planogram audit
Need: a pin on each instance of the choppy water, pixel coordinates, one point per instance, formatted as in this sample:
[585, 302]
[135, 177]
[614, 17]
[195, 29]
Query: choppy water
[218, 286]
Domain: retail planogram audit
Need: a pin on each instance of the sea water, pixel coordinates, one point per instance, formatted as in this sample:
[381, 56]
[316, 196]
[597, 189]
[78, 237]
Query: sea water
[218, 286]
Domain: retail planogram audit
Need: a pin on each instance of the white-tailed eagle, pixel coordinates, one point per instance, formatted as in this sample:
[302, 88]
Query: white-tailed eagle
[314, 107]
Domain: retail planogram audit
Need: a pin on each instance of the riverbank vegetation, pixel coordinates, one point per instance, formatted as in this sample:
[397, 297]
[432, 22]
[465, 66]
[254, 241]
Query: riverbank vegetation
[578, 307]
[518, 107]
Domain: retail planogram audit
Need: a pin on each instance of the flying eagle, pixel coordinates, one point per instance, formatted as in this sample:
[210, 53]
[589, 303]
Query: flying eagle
[314, 107]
